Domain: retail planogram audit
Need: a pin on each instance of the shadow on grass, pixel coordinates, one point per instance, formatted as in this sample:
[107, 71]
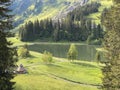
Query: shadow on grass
[31, 56]
[53, 65]
[84, 64]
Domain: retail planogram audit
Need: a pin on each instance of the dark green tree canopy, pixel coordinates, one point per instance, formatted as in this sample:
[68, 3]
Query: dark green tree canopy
[76, 26]
[7, 54]
[116, 1]
[5, 17]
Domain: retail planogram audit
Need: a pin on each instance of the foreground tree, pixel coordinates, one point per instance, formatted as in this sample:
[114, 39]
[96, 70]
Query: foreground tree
[111, 71]
[7, 54]
[72, 53]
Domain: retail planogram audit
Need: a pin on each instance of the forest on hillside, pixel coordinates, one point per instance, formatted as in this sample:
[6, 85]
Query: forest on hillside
[75, 27]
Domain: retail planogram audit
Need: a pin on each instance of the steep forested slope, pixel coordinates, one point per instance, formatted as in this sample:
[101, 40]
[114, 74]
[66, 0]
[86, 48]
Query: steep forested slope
[74, 27]
[71, 20]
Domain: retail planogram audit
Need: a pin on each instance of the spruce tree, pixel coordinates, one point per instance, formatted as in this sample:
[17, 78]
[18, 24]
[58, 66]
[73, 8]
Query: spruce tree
[7, 53]
[111, 71]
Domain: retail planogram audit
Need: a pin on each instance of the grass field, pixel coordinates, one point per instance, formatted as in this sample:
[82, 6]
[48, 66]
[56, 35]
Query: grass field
[60, 75]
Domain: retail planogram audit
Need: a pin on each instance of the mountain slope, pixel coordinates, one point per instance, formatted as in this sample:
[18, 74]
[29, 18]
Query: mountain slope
[104, 4]
[40, 9]
[32, 9]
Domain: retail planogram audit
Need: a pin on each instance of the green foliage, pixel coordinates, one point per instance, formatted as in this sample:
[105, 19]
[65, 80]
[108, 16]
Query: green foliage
[7, 53]
[75, 27]
[47, 57]
[97, 35]
[111, 71]
[7, 62]
[23, 52]
[83, 11]
[72, 53]
[116, 1]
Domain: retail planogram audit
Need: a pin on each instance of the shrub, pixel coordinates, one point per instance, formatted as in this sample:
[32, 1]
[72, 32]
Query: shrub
[47, 57]
[23, 52]
[72, 53]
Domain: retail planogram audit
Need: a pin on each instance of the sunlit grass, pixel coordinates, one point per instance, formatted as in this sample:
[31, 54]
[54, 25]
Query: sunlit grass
[97, 16]
[42, 76]
[32, 7]
[42, 82]
[38, 77]
[47, 12]
[16, 41]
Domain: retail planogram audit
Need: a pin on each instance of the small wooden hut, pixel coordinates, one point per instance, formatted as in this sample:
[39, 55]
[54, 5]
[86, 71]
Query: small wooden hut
[21, 69]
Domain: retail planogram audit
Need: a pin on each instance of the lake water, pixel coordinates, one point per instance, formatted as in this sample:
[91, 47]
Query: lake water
[85, 52]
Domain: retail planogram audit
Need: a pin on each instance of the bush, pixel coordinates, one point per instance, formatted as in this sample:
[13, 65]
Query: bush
[23, 52]
[47, 57]
[72, 53]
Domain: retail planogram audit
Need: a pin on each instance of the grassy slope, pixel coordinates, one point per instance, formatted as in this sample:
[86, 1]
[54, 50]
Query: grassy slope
[48, 77]
[17, 42]
[43, 77]
[104, 4]
[48, 11]
[60, 75]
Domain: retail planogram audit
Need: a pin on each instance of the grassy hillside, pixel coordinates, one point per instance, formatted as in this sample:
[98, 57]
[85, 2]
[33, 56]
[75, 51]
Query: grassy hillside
[56, 9]
[104, 4]
[60, 75]
[41, 9]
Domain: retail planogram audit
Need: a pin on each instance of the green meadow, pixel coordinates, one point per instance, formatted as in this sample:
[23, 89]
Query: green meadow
[61, 74]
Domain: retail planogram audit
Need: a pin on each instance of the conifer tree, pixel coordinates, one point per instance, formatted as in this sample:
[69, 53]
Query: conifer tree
[7, 54]
[111, 71]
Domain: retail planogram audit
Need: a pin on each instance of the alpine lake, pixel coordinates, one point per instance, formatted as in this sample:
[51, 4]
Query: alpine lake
[85, 52]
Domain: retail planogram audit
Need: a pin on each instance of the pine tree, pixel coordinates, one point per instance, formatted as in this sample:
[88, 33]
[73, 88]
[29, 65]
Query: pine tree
[36, 27]
[7, 54]
[111, 71]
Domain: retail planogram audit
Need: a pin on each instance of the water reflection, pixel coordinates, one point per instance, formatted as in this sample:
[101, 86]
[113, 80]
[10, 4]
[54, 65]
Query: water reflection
[85, 52]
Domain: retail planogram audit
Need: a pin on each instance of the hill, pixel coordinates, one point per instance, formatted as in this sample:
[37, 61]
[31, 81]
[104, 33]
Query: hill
[104, 4]
[60, 75]
[32, 9]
